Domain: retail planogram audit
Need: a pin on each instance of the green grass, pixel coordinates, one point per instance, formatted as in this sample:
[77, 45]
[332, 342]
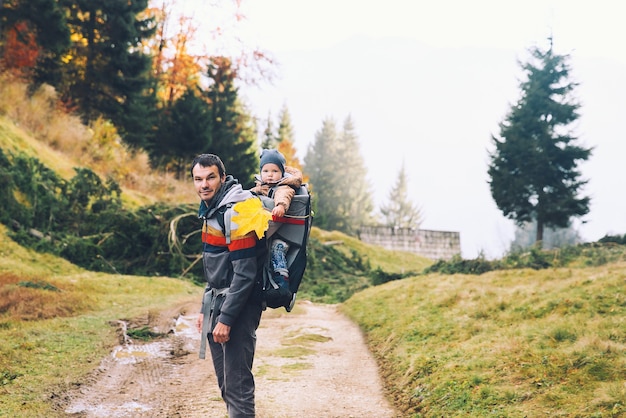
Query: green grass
[508, 343]
[389, 261]
[50, 339]
[511, 343]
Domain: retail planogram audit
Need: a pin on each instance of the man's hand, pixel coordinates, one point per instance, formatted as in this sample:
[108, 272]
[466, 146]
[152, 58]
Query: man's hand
[199, 323]
[221, 333]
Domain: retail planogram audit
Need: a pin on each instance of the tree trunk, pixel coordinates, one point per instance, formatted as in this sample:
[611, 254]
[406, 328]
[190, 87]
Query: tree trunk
[539, 237]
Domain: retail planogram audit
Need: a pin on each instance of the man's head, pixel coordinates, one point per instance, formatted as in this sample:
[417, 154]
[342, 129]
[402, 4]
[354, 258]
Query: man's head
[208, 173]
[272, 165]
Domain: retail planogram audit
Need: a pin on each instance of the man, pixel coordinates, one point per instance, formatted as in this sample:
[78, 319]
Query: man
[230, 311]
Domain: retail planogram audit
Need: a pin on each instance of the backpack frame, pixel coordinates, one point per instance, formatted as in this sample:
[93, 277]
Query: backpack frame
[294, 228]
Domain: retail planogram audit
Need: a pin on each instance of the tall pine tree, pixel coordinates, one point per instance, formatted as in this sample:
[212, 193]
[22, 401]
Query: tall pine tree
[338, 178]
[233, 132]
[286, 140]
[400, 211]
[184, 131]
[320, 165]
[355, 207]
[109, 74]
[533, 170]
[269, 136]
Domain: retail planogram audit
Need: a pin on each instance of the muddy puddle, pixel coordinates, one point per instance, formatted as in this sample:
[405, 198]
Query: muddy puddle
[124, 384]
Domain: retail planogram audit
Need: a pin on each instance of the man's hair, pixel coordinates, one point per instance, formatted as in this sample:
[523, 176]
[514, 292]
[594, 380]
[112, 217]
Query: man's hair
[208, 160]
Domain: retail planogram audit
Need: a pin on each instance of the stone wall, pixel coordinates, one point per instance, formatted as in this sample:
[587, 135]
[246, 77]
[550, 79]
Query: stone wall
[430, 244]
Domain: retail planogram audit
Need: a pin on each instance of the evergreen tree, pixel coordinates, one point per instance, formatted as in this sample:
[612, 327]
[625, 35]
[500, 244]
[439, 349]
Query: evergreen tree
[269, 138]
[338, 179]
[233, 133]
[185, 131]
[355, 206]
[400, 211]
[321, 165]
[533, 169]
[110, 75]
[286, 138]
[139, 119]
[525, 237]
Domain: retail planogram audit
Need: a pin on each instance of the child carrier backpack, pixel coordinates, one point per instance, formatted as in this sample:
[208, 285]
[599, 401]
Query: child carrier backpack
[294, 228]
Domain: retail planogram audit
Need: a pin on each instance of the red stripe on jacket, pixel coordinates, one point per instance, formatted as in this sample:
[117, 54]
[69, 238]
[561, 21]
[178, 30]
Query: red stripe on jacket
[247, 241]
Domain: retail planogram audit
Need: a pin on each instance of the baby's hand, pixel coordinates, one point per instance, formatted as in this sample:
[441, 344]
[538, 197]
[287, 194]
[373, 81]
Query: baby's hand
[278, 211]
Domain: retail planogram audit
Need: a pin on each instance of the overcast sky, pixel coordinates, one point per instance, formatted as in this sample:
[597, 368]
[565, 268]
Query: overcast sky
[426, 84]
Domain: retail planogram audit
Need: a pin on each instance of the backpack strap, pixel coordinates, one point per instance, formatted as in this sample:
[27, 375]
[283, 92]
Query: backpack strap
[227, 217]
[223, 218]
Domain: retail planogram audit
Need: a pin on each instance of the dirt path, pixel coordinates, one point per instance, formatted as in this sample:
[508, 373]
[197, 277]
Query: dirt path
[311, 362]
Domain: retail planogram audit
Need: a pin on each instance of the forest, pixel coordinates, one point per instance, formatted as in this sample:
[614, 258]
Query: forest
[133, 83]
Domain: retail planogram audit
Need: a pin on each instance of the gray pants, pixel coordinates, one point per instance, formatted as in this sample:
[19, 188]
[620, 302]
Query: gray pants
[233, 363]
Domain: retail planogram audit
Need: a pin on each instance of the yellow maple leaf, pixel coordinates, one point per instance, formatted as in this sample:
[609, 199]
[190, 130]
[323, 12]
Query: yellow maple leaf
[251, 216]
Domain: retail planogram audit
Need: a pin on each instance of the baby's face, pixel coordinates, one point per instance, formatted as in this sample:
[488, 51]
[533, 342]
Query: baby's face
[270, 173]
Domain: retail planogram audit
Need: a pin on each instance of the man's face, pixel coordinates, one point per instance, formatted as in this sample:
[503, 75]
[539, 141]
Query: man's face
[207, 181]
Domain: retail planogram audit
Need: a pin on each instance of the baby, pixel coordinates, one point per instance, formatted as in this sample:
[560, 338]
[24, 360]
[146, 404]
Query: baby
[280, 182]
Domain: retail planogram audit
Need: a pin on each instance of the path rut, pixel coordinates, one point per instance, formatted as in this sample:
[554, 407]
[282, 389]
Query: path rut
[312, 362]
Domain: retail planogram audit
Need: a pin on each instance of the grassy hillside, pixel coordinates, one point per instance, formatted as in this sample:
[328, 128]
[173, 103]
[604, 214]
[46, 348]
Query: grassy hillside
[57, 322]
[340, 265]
[54, 314]
[508, 343]
[515, 343]
[56, 319]
[511, 343]
[33, 125]
[389, 261]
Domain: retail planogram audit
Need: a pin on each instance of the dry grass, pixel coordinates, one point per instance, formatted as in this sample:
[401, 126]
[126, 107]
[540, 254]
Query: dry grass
[35, 299]
[61, 141]
[55, 322]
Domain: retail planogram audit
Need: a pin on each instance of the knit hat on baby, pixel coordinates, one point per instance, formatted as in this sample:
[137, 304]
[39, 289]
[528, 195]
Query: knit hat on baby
[272, 156]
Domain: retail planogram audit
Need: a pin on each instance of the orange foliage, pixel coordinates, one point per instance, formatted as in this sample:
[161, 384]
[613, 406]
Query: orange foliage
[21, 50]
[175, 68]
[183, 69]
[181, 59]
[287, 148]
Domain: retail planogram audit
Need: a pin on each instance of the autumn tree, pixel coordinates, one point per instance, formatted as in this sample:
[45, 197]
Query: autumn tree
[175, 68]
[35, 38]
[282, 138]
[400, 211]
[533, 170]
[21, 51]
